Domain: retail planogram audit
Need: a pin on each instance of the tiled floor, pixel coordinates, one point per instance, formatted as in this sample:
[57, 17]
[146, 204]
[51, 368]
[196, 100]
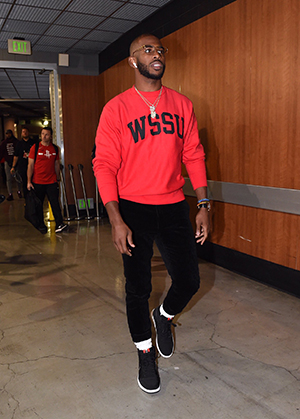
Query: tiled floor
[65, 351]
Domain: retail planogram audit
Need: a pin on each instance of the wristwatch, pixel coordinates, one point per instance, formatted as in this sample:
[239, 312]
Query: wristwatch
[204, 205]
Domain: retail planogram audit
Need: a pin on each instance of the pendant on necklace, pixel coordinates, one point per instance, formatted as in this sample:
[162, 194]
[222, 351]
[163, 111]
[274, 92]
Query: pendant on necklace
[152, 111]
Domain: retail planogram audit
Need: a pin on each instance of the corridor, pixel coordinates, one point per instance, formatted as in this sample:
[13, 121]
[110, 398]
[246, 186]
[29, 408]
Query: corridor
[65, 351]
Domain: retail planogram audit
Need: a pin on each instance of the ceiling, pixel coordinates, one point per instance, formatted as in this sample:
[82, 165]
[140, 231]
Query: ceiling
[24, 93]
[60, 26]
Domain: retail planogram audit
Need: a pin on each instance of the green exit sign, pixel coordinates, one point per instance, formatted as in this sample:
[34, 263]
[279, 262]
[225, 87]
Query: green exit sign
[18, 46]
[81, 203]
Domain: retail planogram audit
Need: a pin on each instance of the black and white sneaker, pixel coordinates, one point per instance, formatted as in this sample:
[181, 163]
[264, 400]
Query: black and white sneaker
[60, 228]
[164, 336]
[148, 377]
[43, 229]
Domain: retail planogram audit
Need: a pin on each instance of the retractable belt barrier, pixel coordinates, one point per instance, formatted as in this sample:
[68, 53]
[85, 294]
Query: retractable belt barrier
[100, 211]
[64, 193]
[88, 216]
[97, 201]
[70, 167]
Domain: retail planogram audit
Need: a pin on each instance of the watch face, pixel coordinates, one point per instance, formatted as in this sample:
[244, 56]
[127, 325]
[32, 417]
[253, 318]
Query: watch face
[204, 205]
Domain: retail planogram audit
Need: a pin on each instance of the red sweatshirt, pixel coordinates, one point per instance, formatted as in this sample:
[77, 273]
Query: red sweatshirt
[139, 158]
[44, 167]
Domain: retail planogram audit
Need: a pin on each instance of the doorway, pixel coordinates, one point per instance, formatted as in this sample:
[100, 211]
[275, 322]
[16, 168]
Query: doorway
[32, 89]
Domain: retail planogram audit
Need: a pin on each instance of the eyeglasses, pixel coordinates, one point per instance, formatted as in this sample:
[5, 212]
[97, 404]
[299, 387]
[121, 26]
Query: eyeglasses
[150, 49]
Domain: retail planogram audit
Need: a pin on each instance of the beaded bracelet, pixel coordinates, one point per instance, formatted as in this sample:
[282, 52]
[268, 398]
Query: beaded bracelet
[203, 203]
[203, 200]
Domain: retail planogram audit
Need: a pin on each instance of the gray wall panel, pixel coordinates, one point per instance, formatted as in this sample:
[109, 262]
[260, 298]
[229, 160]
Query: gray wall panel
[263, 197]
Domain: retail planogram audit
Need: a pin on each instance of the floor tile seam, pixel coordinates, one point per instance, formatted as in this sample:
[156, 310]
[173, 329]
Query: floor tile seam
[30, 269]
[257, 361]
[215, 324]
[249, 357]
[260, 287]
[22, 239]
[245, 396]
[11, 395]
[65, 269]
[217, 313]
[262, 309]
[106, 299]
[101, 299]
[268, 315]
[24, 297]
[76, 276]
[78, 281]
[51, 303]
[10, 365]
[48, 319]
[277, 393]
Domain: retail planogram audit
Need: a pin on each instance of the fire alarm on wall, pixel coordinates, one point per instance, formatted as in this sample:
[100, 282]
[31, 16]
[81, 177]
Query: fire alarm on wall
[63, 60]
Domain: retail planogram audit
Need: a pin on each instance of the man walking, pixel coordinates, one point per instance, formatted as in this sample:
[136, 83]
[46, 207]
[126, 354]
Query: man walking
[43, 176]
[20, 160]
[144, 135]
[7, 149]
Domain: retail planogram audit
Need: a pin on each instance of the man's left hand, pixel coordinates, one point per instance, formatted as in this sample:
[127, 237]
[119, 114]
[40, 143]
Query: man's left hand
[202, 225]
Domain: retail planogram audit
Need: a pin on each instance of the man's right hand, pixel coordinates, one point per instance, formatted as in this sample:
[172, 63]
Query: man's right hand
[30, 186]
[121, 233]
[122, 238]
[12, 171]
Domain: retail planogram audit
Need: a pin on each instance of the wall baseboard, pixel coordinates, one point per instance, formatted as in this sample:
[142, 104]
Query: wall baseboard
[277, 276]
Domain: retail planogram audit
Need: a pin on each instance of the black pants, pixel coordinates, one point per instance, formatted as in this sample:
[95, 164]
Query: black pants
[23, 175]
[52, 192]
[170, 227]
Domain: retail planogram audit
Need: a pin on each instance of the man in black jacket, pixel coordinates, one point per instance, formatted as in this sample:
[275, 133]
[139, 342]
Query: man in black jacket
[21, 157]
[7, 149]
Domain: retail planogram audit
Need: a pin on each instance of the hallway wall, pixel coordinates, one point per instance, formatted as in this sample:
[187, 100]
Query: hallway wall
[239, 66]
[246, 93]
[82, 102]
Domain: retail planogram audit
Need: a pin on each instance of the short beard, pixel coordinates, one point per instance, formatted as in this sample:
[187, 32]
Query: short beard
[144, 72]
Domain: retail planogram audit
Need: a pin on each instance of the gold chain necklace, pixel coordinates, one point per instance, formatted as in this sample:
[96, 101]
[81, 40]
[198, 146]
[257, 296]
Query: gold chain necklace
[152, 106]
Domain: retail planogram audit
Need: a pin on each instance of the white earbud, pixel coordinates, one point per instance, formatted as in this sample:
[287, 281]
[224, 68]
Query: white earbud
[134, 64]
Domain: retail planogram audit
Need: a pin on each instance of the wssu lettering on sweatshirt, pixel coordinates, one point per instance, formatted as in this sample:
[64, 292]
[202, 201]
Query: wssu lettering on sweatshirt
[139, 158]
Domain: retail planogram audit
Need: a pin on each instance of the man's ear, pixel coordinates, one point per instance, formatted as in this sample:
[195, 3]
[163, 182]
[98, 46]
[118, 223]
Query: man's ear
[131, 62]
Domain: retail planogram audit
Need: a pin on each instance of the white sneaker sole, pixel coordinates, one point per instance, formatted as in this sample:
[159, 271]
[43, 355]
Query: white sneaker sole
[146, 390]
[61, 229]
[156, 340]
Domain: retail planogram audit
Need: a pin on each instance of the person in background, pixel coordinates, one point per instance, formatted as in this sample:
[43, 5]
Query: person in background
[144, 135]
[7, 149]
[43, 176]
[20, 160]
[2, 169]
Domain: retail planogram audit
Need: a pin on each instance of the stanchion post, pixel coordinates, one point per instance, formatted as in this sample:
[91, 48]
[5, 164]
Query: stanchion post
[97, 201]
[70, 166]
[88, 216]
[63, 188]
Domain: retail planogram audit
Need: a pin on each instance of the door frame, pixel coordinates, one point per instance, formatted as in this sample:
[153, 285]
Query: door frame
[27, 65]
